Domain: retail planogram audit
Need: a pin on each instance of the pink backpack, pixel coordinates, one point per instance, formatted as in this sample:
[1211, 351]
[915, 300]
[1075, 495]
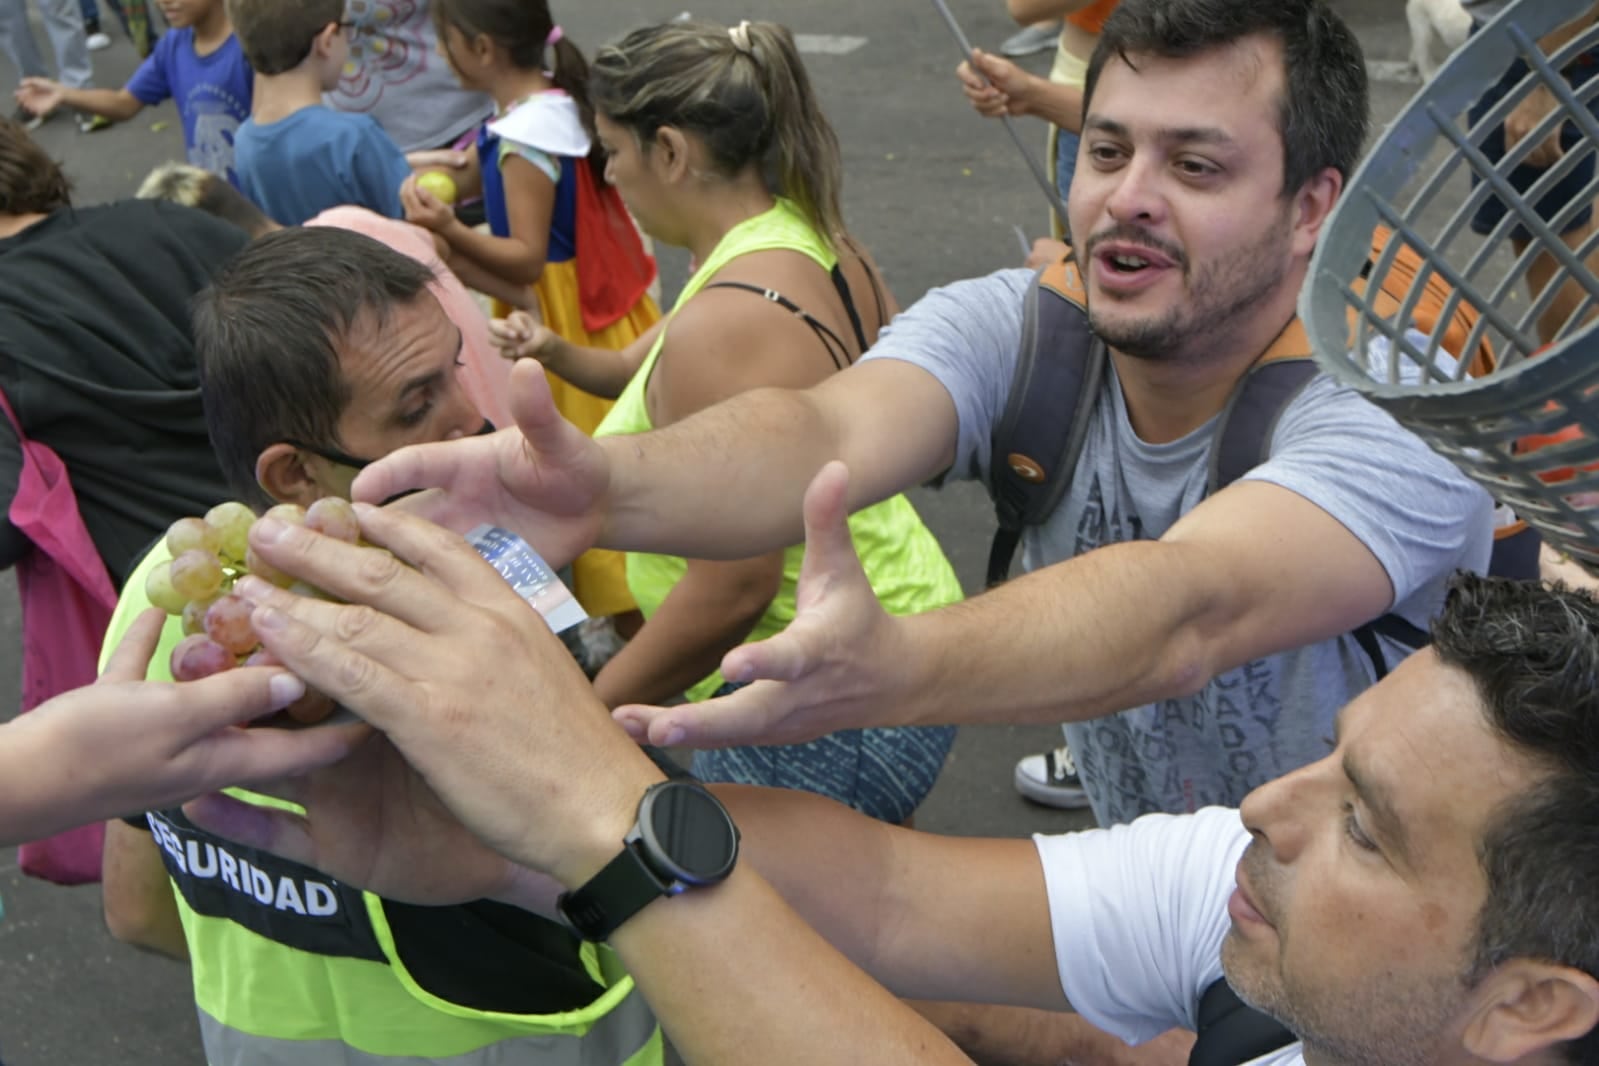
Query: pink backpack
[67, 600]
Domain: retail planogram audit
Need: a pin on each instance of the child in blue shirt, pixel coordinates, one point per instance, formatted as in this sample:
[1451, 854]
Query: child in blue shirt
[199, 65]
[297, 157]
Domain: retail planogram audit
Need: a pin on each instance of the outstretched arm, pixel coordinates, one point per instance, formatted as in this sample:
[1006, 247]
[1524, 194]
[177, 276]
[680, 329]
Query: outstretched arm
[143, 745]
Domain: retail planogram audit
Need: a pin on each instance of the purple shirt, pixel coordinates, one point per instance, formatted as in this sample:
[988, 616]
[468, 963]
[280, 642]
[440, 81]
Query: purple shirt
[213, 95]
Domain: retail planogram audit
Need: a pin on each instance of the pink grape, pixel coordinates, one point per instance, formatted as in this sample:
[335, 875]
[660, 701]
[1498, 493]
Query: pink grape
[227, 623]
[159, 591]
[187, 534]
[194, 616]
[199, 656]
[197, 575]
[334, 518]
[232, 522]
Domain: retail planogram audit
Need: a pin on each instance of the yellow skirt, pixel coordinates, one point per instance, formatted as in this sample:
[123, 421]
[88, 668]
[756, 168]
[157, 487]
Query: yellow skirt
[599, 577]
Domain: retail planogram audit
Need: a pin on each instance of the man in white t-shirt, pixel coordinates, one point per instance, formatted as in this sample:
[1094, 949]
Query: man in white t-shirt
[1422, 896]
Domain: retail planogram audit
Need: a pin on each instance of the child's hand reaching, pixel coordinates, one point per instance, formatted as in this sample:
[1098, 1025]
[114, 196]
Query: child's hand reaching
[424, 209]
[521, 336]
[40, 96]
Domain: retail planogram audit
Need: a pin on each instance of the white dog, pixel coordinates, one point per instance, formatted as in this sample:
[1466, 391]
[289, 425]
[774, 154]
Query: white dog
[1442, 20]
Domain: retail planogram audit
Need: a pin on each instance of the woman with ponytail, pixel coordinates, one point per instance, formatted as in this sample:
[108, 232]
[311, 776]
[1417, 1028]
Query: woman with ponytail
[716, 142]
[554, 223]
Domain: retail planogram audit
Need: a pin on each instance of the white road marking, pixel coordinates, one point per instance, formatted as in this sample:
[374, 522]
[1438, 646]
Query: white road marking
[827, 44]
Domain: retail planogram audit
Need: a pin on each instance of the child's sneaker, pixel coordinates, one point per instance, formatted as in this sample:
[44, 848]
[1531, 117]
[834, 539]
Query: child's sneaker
[97, 39]
[1051, 779]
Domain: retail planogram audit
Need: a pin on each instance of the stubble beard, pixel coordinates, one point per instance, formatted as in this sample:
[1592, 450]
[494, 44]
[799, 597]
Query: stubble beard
[1220, 292]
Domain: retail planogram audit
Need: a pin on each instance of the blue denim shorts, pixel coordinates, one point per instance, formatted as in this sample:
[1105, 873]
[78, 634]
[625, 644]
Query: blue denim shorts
[884, 773]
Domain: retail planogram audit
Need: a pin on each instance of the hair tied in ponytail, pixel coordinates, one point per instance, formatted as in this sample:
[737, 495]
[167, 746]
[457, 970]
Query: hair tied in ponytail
[741, 38]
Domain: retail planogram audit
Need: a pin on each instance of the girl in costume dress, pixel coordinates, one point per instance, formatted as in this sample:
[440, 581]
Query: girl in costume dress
[555, 224]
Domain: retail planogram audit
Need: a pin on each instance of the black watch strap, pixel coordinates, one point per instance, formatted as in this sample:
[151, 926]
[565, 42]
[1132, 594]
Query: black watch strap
[622, 888]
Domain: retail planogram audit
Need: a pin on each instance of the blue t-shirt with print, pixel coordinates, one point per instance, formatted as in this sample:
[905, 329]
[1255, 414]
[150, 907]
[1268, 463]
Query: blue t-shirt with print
[317, 158]
[213, 93]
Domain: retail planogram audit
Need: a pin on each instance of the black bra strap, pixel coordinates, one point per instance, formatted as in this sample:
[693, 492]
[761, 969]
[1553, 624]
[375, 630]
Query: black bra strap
[836, 348]
[837, 274]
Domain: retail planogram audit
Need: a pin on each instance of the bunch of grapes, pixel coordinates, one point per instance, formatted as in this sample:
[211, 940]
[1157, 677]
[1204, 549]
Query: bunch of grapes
[208, 556]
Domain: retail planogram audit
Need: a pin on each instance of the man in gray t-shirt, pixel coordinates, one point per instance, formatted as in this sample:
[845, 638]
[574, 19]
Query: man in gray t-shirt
[1410, 508]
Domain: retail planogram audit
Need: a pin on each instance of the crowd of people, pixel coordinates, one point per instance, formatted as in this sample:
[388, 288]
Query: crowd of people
[1346, 785]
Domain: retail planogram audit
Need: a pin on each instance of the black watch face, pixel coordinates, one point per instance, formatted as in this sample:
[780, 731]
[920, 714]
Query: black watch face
[692, 831]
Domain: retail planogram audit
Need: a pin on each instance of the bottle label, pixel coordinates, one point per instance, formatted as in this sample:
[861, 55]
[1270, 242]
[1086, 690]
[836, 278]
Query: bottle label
[527, 572]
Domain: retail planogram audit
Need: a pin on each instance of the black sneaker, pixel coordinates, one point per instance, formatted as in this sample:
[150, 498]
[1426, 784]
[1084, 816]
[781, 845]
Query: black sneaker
[1051, 779]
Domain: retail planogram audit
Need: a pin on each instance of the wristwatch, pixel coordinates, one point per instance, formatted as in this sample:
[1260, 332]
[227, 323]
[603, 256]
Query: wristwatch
[683, 838]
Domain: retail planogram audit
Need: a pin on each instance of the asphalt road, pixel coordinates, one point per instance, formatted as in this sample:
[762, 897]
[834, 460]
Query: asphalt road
[932, 189]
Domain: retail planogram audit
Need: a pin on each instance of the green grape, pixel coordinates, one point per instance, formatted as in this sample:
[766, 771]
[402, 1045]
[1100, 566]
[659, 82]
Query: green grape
[232, 522]
[266, 571]
[292, 513]
[334, 517]
[159, 591]
[188, 534]
[197, 575]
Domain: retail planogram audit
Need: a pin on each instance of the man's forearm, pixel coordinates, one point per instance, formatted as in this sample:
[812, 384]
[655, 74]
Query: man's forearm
[736, 977]
[724, 484]
[1114, 628]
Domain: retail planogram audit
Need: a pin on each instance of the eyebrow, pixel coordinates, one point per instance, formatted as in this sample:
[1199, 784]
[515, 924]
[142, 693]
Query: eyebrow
[1172, 134]
[433, 377]
[1378, 801]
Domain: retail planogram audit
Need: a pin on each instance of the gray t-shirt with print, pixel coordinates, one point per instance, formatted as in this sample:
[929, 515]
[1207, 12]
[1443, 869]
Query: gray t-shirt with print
[1417, 514]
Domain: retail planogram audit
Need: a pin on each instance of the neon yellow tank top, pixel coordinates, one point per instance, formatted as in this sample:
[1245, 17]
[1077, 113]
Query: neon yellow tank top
[902, 559]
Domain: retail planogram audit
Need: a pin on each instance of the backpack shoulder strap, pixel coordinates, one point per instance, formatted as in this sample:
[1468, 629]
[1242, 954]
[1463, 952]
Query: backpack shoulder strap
[1244, 431]
[1034, 448]
[1232, 1032]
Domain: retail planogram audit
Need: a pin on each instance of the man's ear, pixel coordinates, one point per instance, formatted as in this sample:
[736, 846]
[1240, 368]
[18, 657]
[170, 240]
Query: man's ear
[1312, 204]
[283, 471]
[1528, 1006]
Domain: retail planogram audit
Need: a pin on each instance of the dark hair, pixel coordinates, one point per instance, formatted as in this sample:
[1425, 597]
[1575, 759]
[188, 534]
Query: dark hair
[276, 35]
[30, 181]
[267, 333]
[1324, 109]
[181, 183]
[522, 28]
[1533, 652]
[743, 91]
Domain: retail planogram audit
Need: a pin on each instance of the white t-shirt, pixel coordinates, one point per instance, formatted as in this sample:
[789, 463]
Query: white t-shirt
[1138, 913]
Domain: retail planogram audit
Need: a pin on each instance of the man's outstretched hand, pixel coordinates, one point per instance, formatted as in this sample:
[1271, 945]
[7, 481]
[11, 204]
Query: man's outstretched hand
[544, 478]
[843, 663]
